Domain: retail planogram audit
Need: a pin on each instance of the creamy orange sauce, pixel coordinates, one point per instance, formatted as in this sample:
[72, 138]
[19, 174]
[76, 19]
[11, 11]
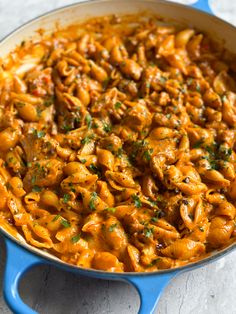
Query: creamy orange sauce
[117, 144]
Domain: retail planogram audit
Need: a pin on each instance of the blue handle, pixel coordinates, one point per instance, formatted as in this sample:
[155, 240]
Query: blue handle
[150, 288]
[203, 5]
[18, 262]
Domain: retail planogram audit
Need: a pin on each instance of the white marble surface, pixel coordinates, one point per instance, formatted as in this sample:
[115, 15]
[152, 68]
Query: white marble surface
[209, 290]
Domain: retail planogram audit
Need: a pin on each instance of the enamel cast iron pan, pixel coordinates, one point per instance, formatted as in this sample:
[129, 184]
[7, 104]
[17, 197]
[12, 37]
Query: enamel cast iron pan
[21, 256]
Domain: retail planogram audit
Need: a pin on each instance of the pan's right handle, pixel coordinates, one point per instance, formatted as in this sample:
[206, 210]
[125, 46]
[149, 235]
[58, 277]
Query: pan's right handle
[203, 5]
[150, 288]
[18, 262]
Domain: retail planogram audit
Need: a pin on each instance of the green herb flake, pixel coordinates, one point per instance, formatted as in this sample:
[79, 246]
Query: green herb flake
[87, 139]
[49, 101]
[112, 227]
[95, 169]
[66, 128]
[88, 120]
[201, 229]
[148, 232]
[38, 134]
[39, 112]
[163, 79]
[93, 197]
[36, 189]
[75, 238]
[105, 83]
[66, 198]
[198, 143]
[83, 161]
[137, 201]
[65, 223]
[107, 127]
[147, 154]
[56, 218]
[33, 179]
[198, 88]
[118, 105]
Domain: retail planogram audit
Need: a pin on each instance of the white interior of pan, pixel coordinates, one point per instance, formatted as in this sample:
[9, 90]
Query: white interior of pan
[216, 28]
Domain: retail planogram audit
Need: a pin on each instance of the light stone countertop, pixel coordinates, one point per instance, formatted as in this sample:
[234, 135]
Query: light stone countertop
[208, 290]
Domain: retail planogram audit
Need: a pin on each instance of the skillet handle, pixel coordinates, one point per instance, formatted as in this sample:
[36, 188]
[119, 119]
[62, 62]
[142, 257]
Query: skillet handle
[203, 5]
[150, 288]
[18, 262]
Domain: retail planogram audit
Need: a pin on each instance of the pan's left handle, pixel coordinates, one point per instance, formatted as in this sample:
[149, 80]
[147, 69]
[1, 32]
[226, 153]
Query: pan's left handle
[203, 5]
[150, 288]
[18, 262]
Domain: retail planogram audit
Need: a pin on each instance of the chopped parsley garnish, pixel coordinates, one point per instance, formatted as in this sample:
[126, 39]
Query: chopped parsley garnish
[148, 232]
[65, 223]
[88, 120]
[66, 198]
[56, 218]
[162, 79]
[106, 82]
[137, 201]
[152, 203]
[93, 197]
[198, 88]
[107, 127]
[83, 161]
[95, 169]
[39, 112]
[38, 134]
[157, 215]
[119, 152]
[67, 128]
[75, 238]
[33, 179]
[147, 154]
[118, 105]
[87, 139]
[48, 101]
[154, 262]
[198, 144]
[36, 189]
[201, 229]
[112, 227]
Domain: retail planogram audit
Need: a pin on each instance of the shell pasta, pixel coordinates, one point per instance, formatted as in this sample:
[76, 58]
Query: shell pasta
[117, 144]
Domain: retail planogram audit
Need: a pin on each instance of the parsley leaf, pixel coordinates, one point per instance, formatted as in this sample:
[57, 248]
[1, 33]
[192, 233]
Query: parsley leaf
[65, 223]
[66, 198]
[137, 201]
[56, 218]
[38, 134]
[148, 232]
[88, 120]
[93, 197]
[112, 227]
[75, 238]
[147, 154]
[36, 189]
[118, 105]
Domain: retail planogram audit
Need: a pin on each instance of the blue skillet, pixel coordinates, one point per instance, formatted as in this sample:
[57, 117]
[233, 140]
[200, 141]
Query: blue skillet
[21, 256]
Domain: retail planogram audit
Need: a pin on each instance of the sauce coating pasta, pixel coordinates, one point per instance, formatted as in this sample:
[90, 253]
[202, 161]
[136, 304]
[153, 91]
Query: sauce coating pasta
[117, 144]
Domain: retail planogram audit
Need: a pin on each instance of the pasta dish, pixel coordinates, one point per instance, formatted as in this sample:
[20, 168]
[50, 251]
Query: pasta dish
[117, 144]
